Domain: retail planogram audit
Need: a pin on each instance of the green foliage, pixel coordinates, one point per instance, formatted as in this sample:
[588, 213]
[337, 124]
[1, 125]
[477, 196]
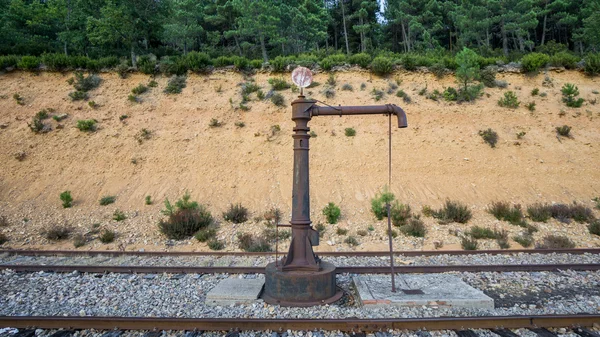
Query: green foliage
[176, 84]
[594, 228]
[525, 240]
[184, 219]
[534, 61]
[509, 100]
[351, 241]
[504, 211]
[332, 61]
[349, 132]
[118, 215]
[564, 131]
[488, 77]
[379, 202]
[29, 63]
[555, 242]
[148, 200]
[8, 61]
[107, 236]
[347, 87]
[87, 125]
[197, 62]
[278, 83]
[236, 214]
[564, 59]
[107, 200]
[489, 136]
[140, 89]
[382, 66]
[592, 64]
[539, 212]
[341, 231]
[361, 59]
[86, 83]
[477, 232]
[67, 199]
[321, 229]
[468, 67]
[329, 92]
[531, 106]
[468, 243]
[205, 235]
[414, 227]
[377, 94]
[78, 95]
[535, 92]
[57, 232]
[147, 64]
[453, 211]
[331, 80]
[55, 62]
[332, 213]
[570, 93]
[79, 241]
[278, 99]
[214, 123]
[216, 244]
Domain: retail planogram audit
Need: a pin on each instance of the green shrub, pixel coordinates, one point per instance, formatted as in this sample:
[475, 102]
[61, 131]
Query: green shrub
[477, 232]
[468, 67]
[361, 59]
[236, 214]
[176, 84]
[214, 123]
[351, 241]
[468, 244]
[504, 211]
[107, 200]
[278, 83]
[87, 125]
[321, 229]
[570, 93]
[393, 233]
[592, 64]
[79, 241]
[525, 240]
[379, 204]
[450, 94]
[78, 95]
[453, 211]
[223, 61]
[535, 92]
[539, 212]
[332, 213]
[439, 70]
[197, 62]
[414, 227]
[531, 106]
[173, 65]
[471, 93]
[347, 87]
[564, 131]
[488, 77]
[377, 94]
[329, 92]
[256, 64]
[55, 62]
[8, 61]
[123, 70]
[409, 62]
[249, 87]
[107, 236]
[140, 89]
[247, 242]
[216, 244]
[597, 201]
[564, 59]
[332, 61]
[133, 98]
[240, 63]
[509, 100]
[205, 235]
[148, 200]
[67, 199]
[341, 231]
[272, 235]
[555, 242]
[153, 84]
[279, 63]
[400, 213]
[57, 232]
[382, 65]
[86, 83]
[349, 132]
[146, 64]
[184, 219]
[28, 63]
[489, 136]
[118, 215]
[532, 62]
[581, 214]
[278, 99]
[594, 227]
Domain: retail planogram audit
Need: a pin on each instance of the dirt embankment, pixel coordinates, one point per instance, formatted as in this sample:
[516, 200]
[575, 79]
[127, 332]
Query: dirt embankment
[440, 156]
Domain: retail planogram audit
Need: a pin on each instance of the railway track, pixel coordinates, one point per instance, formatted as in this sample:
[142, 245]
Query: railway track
[498, 324]
[114, 253]
[261, 270]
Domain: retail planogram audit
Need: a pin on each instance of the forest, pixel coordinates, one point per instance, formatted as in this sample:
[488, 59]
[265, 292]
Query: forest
[265, 29]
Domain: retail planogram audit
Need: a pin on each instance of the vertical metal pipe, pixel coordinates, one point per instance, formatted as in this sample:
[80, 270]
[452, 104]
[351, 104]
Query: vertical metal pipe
[389, 209]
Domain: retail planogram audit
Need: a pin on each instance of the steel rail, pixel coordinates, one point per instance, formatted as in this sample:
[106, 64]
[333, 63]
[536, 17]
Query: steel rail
[261, 270]
[350, 253]
[356, 325]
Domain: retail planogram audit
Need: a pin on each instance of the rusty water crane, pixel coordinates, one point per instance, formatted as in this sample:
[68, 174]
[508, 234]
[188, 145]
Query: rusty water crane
[302, 278]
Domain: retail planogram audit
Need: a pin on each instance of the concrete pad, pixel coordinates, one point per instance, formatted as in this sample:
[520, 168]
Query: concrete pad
[412, 290]
[235, 291]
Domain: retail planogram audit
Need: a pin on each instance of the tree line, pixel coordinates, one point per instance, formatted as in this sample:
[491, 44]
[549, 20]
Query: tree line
[264, 29]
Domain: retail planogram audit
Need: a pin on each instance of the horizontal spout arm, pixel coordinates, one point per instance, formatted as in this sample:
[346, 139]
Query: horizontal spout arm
[362, 110]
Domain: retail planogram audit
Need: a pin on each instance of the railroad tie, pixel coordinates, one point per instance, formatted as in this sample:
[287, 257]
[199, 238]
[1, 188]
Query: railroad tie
[466, 333]
[504, 333]
[25, 333]
[584, 332]
[63, 333]
[543, 332]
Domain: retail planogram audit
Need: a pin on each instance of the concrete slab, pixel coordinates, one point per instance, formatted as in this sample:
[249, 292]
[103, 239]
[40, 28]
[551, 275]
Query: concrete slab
[235, 291]
[432, 290]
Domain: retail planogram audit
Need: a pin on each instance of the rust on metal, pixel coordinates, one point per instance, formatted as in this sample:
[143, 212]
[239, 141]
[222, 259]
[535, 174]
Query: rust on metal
[346, 325]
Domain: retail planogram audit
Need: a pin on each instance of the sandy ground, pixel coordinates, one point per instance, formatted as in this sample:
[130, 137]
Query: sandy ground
[439, 157]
